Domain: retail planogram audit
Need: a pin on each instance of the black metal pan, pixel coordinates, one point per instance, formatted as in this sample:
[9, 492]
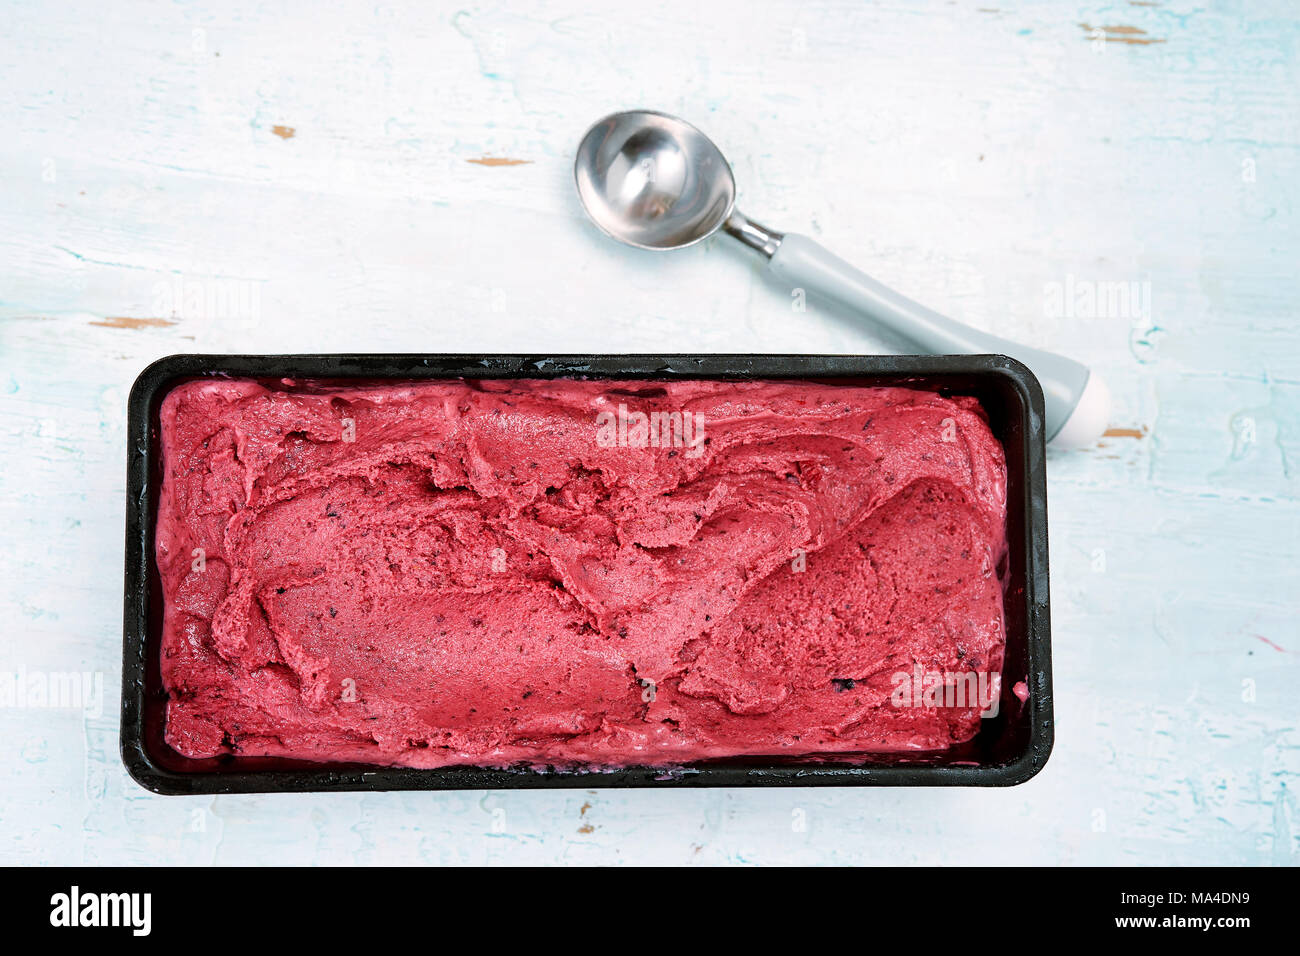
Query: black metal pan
[1009, 748]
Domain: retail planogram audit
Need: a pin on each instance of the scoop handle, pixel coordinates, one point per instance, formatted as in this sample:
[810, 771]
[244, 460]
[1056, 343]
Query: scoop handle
[1072, 394]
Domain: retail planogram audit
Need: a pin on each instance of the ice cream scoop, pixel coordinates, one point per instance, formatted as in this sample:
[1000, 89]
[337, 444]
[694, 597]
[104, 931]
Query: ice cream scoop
[656, 182]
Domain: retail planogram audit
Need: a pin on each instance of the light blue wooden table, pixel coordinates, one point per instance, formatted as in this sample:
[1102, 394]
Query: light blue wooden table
[1118, 181]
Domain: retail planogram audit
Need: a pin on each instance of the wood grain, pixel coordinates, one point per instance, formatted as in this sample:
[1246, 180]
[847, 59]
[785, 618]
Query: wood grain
[296, 177]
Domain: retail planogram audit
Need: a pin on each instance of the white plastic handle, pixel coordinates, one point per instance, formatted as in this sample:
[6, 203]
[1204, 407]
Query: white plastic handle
[1076, 400]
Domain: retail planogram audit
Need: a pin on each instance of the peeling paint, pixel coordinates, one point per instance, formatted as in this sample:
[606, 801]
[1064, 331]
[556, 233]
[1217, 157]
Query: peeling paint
[284, 132]
[1134, 36]
[499, 161]
[127, 322]
[1126, 432]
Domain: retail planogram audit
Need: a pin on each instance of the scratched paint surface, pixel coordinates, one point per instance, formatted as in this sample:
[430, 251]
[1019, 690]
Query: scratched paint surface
[1113, 180]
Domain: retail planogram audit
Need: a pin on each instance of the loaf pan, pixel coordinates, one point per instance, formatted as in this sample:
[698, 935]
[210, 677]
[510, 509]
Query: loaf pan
[1008, 749]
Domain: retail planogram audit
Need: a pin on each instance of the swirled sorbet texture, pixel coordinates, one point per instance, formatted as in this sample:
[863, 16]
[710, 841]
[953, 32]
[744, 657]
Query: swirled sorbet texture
[573, 572]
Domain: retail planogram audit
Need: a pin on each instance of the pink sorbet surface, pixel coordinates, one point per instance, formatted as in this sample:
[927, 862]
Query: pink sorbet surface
[473, 572]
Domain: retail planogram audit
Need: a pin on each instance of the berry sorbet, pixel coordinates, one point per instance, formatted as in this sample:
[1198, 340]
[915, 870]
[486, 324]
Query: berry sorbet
[573, 572]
